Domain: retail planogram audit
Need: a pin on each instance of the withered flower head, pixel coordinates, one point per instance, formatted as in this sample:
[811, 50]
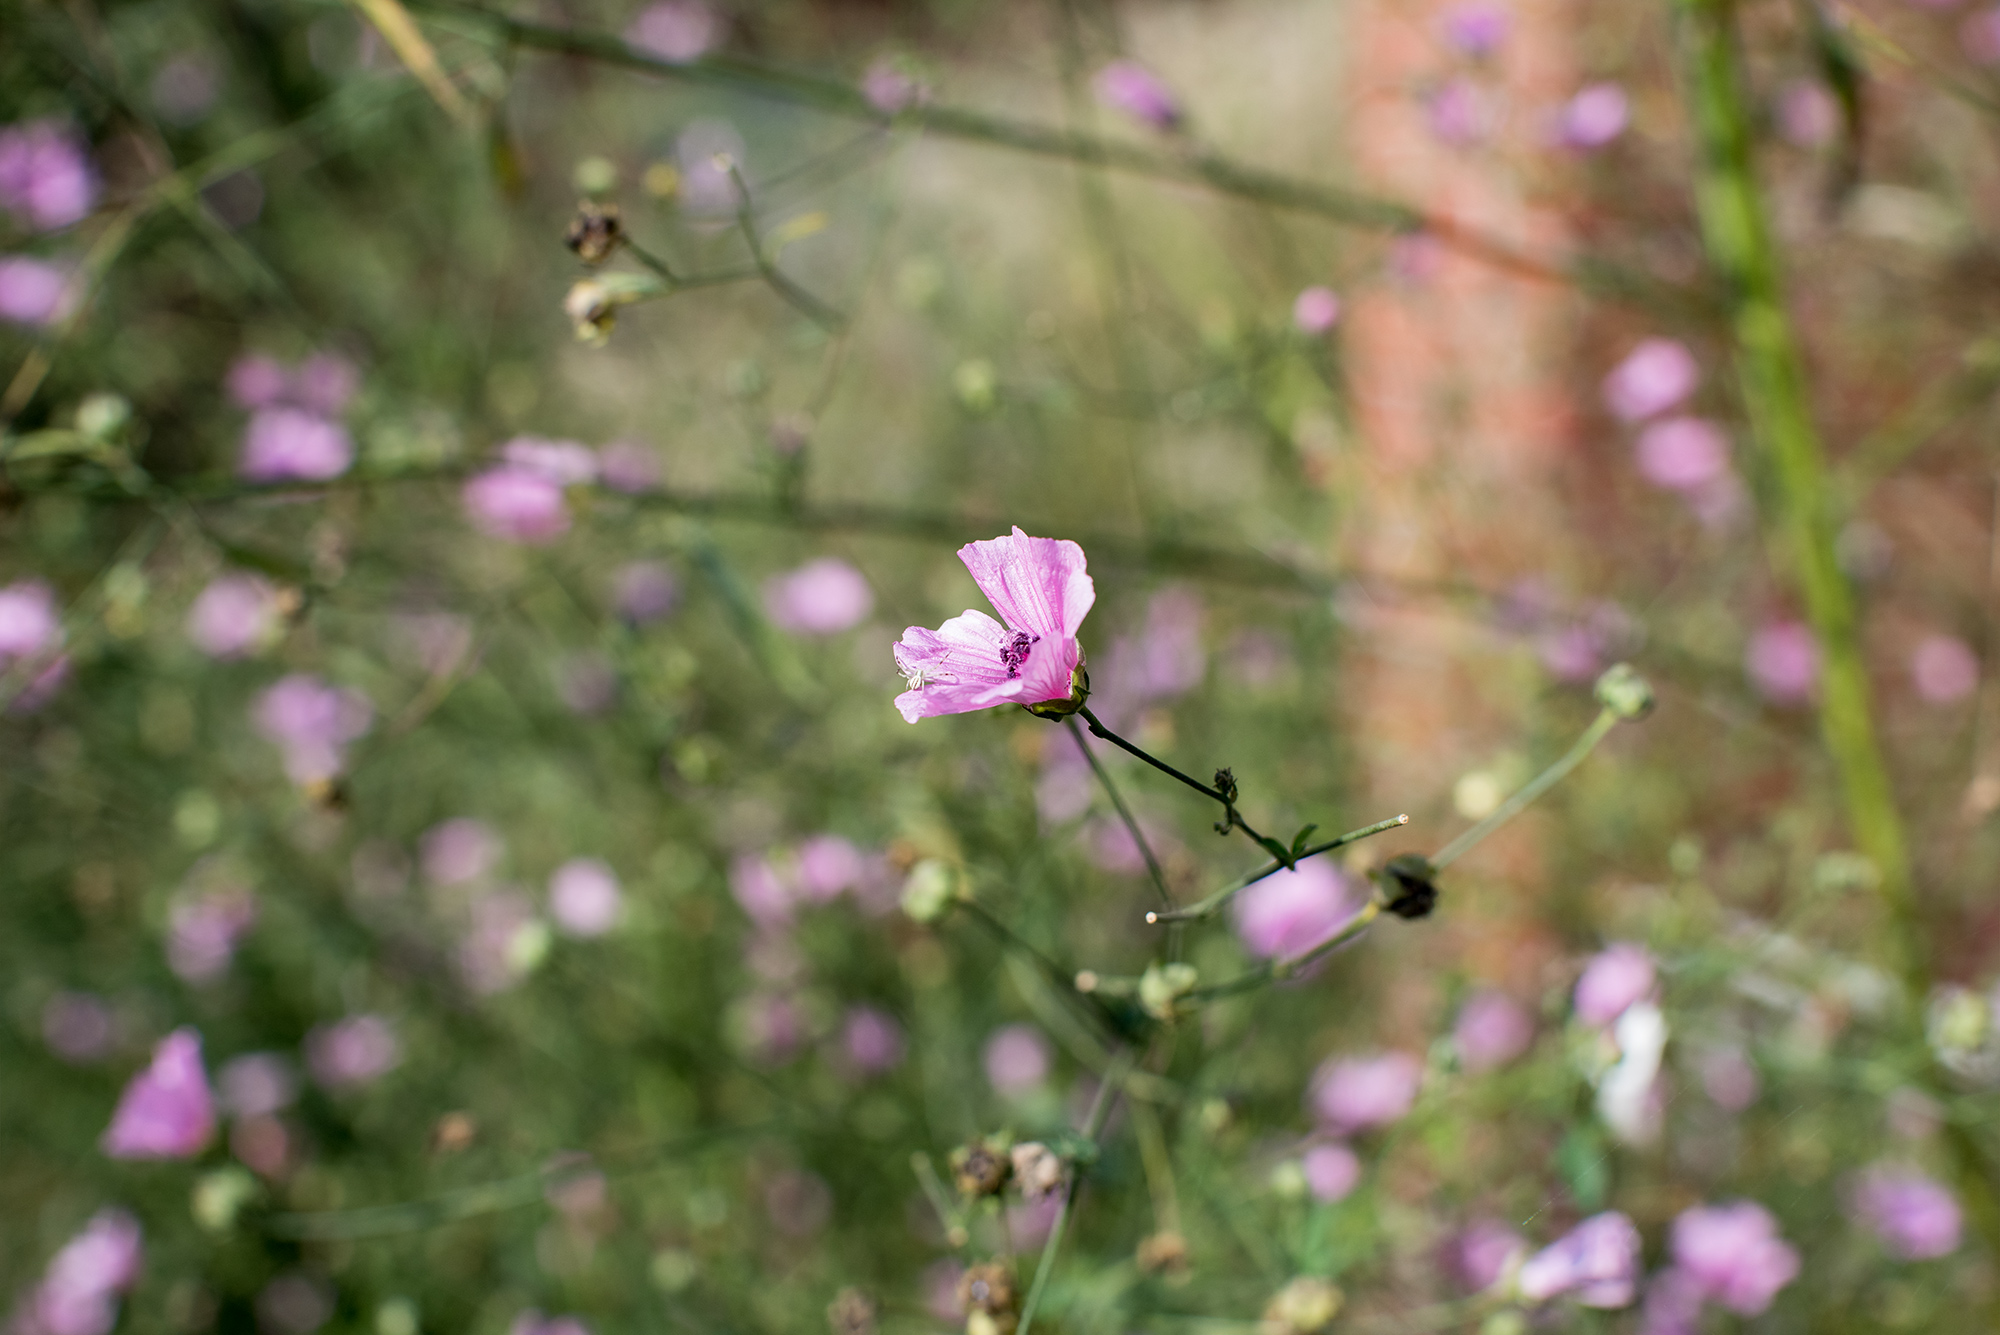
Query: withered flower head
[980, 1169]
[987, 1294]
[594, 232]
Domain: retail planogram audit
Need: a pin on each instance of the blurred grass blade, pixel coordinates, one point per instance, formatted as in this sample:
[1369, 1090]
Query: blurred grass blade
[415, 51]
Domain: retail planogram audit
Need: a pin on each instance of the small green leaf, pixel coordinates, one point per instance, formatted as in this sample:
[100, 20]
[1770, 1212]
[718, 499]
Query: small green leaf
[1299, 840]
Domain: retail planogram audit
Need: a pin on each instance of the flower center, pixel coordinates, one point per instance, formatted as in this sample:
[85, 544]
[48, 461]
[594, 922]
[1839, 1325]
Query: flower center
[1015, 652]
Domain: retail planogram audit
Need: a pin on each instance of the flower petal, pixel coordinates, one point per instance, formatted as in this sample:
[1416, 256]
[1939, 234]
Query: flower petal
[1037, 584]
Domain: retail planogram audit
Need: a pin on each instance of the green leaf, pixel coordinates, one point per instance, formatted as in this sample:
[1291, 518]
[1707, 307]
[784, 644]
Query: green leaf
[1299, 841]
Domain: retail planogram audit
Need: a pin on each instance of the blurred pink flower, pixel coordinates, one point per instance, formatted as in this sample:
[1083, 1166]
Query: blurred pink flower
[760, 890]
[563, 462]
[1492, 1030]
[890, 87]
[459, 850]
[233, 617]
[1475, 28]
[1460, 112]
[289, 445]
[828, 864]
[1615, 978]
[166, 1112]
[1042, 591]
[46, 178]
[705, 151]
[1673, 1304]
[1597, 1263]
[504, 943]
[1316, 310]
[822, 597]
[645, 591]
[1682, 453]
[1112, 848]
[677, 31]
[1808, 115]
[1980, 36]
[1127, 86]
[1729, 1078]
[1735, 1254]
[78, 1027]
[352, 1052]
[1944, 669]
[78, 1293]
[42, 688]
[1289, 912]
[1654, 376]
[257, 381]
[516, 504]
[312, 723]
[1332, 1172]
[773, 1027]
[262, 1144]
[585, 898]
[1016, 1060]
[29, 622]
[628, 466]
[35, 292]
[295, 1303]
[1484, 1252]
[203, 931]
[1915, 1217]
[1570, 653]
[1783, 662]
[1352, 1094]
[256, 1084]
[872, 1039]
[324, 383]
[1595, 116]
[1415, 258]
[532, 1322]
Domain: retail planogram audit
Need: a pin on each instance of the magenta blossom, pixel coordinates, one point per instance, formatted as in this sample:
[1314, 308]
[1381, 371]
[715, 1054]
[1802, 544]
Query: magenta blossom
[1783, 662]
[1042, 592]
[890, 87]
[203, 932]
[628, 466]
[257, 381]
[1614, 979]
[828, 865]
[677, 31]
[236, 615]
[872, 1039]
[1916, 1218]
[1944, 669]
[1332, 1172]
[289, 445]
[1654, 376]
[1735, 1254]
[166, 1112]
[563, 462]
[505, 943]
[645, 591]
[1492, 1030]
[312, 723]
[1289, 912]
[1127, 86]
[78, 1027]
[516, 504]
[1484, 1253]
[1597, 1263]
[1808, 115]
[1316, 310]
[1460, 112]
[352, 1052]
[1016, 1060]
[761, 892]
[1682, 453]
[1594, 117]
[1475, 28]
[46, 179]
[823, 597]
[1357, 1093]
[584, 897]
[35, 292]
[29, 622]
[532, 1322]
[78, 1294]
[458, 850]
[256, 1084]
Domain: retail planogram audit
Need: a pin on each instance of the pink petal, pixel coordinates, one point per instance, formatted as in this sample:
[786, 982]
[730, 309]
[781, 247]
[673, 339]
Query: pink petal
[1037, 584]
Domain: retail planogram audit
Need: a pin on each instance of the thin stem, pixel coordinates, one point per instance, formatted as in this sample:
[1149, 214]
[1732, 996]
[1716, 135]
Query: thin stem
[1100, 1109]
[1605, 721]
[1124, 813]
[1280, 969]
[1218, 901]
[1232, 819]
[807, 304]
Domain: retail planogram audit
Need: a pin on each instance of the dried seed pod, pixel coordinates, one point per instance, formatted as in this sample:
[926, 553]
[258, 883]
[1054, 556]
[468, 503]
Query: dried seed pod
[980, 1169]
[1038, 1170]
[991, 1305]
[594, 232]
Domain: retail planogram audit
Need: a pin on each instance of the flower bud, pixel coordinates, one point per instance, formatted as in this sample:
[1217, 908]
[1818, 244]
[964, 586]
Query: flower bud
[1163, 986]
[592, 304]
[1408, 885]
[929, 890]
[1305, 1305]
[1624, 692]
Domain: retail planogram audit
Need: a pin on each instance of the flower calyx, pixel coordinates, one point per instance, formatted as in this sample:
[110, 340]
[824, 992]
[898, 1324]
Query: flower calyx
[1407, 886]
[1079, 693]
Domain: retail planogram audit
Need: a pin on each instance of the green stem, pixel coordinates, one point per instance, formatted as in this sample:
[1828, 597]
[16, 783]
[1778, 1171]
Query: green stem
[1232, 819]
[1100, 1109]
[1605, 721]
[1280, 969]
[1124, 813]
[1218, 901]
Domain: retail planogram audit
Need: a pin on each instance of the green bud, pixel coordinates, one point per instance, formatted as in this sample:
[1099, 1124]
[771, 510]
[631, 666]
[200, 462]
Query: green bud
[1163, 986]
[101, 416]
[1624, 692]
[930, 889]
[219, 1197]
[596, 176]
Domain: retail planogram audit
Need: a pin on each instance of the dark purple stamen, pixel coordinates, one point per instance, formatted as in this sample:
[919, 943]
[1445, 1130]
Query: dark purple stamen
[1015, 652]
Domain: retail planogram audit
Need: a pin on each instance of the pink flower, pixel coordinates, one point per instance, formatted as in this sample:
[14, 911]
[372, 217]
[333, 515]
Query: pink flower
[77, 1026]
[1016, 1060]
[890, 87]
[1316, 310]
[704, 152]
[1594, 117]
[1614, 979]
[1482, 1255]
[563, 462]
[1944, 669]
[352, 1052]
[872, 1039]
[584, 897]
[1673, 1304]
[1332, 1172]
[234, 616]
[289, 445]
[1808, 115]
[1354, 1094]
[505, 943]
[312, 723]
[1729, 1078]
[324, 383]
[645, 591]
[516, 505]
[1460, 113]
[1597, 1263]
[1127, 86]
[46, 179]
[203, 932]
[1492, 1030]
[1040, 588]
[1474, 29]
[295, 1303]
[762, 893]
[1735, 1254]
[458, 850]
[29, 623]
[1915, 1217]
[828, 864]
[532, 1322]
[1783, 662]
[1683, 453]
[35, 292]
[166, 1112]
[628, 466]
[1654, 376]
[257, 381]
[78, 1293]
[677, 31]
[1289, 912]
[256, 1084]
[822, 597]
